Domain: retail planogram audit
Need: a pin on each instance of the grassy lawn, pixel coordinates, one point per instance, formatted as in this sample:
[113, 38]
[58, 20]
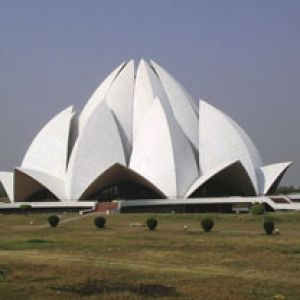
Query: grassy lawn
[77, 261]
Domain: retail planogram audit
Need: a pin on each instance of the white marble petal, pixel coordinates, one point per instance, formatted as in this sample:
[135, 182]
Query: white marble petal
[222, 140]
[28, 182]
[115, 174]
[162, 154]
[7, 180]
[97, 148]
[232, 173]
[269, 177]
[147, 88]
[98, 96]
[183, 106]
[119, 99]
[48, 152]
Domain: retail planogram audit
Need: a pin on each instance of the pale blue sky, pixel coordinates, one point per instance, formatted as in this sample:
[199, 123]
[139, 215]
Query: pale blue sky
[241, 56]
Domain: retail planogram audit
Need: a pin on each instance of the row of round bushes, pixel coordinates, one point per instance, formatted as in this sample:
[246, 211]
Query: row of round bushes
[206, 223]
[100, 222]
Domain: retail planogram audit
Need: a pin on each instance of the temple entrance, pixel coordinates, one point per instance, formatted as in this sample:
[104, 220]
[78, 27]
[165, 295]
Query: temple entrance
[43, 195]
[125, 190]
[216, 188]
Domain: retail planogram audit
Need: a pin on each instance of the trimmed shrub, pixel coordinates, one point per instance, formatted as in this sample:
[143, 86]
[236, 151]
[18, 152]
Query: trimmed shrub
[25, 206]
[269, 227]
[53, 220]
[258, 209]
[207, 224]
[152, 223]
[100, 222]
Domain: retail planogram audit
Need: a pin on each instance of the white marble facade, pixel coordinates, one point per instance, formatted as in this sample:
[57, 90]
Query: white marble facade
[141, 126]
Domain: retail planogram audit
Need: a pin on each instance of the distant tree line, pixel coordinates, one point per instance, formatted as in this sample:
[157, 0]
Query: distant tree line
[288, 190]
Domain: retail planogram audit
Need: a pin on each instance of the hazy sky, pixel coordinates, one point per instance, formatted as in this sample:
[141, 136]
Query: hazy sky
[241, 56]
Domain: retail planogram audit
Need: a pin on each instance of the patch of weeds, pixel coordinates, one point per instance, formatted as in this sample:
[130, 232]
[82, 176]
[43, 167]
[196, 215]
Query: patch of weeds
[93, 287]
[4, 272]
[156, 290]
[291, 251]
[23, 245]
[258, 290]
[38, 241]
[45, 279]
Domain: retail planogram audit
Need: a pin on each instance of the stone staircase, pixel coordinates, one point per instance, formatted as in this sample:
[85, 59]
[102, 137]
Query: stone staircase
[106, 207]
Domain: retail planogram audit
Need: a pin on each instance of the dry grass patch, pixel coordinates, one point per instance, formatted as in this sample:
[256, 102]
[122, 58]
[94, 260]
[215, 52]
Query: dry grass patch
[76, 261]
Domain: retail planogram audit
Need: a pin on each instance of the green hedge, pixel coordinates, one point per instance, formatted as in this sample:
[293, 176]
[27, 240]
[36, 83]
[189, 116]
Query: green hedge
[207, 224]
[152, 223]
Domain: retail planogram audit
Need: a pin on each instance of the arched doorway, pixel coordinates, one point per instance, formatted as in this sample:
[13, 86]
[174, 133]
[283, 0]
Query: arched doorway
[120, 182]
[124, 190]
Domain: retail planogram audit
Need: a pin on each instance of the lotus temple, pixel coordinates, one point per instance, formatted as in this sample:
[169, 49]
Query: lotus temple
[141, 143]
